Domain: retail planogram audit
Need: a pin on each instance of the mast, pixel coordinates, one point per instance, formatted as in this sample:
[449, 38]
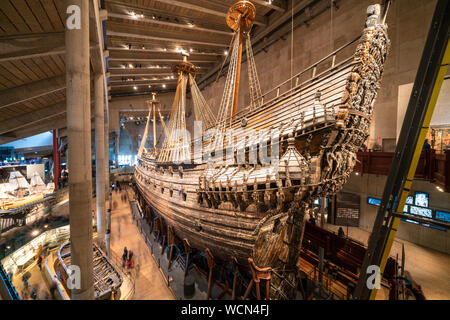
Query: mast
[152, 106]
[240, 18]
[154, 120]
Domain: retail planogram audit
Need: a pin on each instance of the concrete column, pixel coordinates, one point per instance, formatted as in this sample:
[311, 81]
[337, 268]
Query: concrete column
[79, 144]
[56, 161]
[107, 182]
[100, 157]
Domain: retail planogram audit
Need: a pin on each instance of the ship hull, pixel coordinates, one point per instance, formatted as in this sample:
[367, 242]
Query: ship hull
[254, 211]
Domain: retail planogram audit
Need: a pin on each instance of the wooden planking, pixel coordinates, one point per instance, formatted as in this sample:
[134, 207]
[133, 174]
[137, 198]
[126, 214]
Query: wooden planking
[43, 66]
[13, 79]
[33, 66]
[40, 14]
[5, 82]
[61, 8]
[14, 16]
[6, 25]
[60, 61]
[26, 70]
[27, 14]
[53, 15]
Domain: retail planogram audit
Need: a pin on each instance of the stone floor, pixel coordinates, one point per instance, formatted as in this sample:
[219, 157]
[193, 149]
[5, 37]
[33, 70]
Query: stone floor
[428, 267]
[150, 284]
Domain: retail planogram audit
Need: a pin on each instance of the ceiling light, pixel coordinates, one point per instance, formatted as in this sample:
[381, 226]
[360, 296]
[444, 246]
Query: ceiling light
[149, 86]
[35, 233]
[225, 52]
[165, 49]
[142, 15]
[133, 15]
[135, 88]
[163, 85]
[191, 50]
[130, 66]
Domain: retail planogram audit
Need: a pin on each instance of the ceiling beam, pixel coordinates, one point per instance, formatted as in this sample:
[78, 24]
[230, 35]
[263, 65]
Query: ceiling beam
[32, 117]
[146, 84]
[47, 125]
[145, 36]
[170, 24]
[128, 74]
[32, 90]
[169, 56]
[204, 6]
[31, 53]
[162, 51]
[271, 4]
[159, 60]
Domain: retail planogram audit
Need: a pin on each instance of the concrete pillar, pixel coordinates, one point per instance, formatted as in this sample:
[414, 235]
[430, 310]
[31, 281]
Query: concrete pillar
[100, 157]
[107, 182]
[79, 144]
[56, 160]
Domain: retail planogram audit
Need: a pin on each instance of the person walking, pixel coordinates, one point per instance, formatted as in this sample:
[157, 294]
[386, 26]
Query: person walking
[130, 261]
[124, 256]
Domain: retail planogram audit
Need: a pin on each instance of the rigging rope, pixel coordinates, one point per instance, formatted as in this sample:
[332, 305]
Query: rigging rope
[202, 110]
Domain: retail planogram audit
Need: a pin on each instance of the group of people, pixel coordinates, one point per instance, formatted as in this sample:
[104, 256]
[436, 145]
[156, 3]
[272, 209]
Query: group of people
[127, 258]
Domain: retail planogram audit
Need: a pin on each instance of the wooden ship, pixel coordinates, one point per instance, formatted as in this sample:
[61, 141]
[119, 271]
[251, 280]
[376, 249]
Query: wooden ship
[250, 211]
[107, 279]
[18, 192]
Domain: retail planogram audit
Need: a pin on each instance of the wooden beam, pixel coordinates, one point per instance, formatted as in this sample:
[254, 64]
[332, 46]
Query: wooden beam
[145, 36]
[163, 52]
[47, 125]
[271, 5]
[203, 6]
[32, 117]
[146, 84]
[31, 53]
[158, 60]
[32, 90]
[170, 24]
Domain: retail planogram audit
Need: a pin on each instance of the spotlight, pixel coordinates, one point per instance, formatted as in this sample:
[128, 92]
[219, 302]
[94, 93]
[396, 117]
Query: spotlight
[46, 226]
[35, 233]
[135, 88]
[163, 85]
[225, 52]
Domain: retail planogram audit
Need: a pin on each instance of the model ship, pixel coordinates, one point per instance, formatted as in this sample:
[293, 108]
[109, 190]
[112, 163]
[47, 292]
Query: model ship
[250, 210]
[18, 191]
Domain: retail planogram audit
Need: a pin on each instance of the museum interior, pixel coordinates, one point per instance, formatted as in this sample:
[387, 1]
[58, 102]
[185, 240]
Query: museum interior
[224, 150]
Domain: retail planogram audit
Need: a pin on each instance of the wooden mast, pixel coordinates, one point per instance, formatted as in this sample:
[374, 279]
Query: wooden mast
[240, 18]
[154, 121]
